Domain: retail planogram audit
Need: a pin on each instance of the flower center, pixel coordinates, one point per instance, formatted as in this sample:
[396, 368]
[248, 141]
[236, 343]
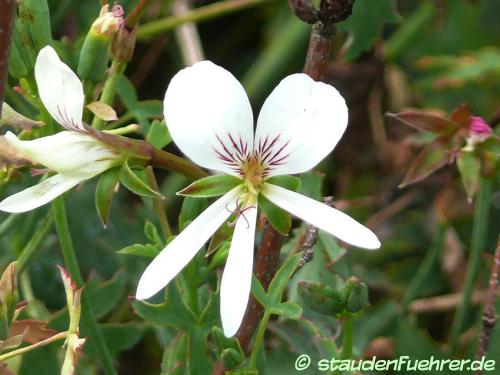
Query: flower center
[253, 172]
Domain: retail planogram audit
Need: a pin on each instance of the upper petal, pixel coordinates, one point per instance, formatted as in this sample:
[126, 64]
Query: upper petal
[209, 116]
[60, 89]
[322, 216]
[237, 276]
[300, 123]
[183, 248]
[72, 153]
[40, 194]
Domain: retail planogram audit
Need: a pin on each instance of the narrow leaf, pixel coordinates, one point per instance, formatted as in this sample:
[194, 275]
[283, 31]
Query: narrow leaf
[211, 186]
[147, 251]
[425, 121]
[285, 181]
[259, 293]
[106, 187]
[132, 182]
[278, 217]
[281, 278]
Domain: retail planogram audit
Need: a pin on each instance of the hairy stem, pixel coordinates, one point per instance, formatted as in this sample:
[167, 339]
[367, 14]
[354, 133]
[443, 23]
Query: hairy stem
[478, 242]
[71, 263]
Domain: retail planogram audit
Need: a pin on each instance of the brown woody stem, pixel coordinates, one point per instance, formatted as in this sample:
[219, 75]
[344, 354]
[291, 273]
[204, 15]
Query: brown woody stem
[7, 15]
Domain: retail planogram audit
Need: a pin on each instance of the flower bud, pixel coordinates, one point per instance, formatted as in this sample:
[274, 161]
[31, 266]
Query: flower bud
[355, 295]
[320, 297]
[479, 127]
[94, 57]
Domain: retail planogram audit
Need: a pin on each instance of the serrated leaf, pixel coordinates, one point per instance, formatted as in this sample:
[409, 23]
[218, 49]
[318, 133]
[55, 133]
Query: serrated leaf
[367, 23]
[469, 167]
[290, 310]
[434, 156]
[147, 250]
[285, 181]
[211, 186]
[103, 111]
[279, 218]
[105, 190]
[132, 182]
[158, 134]
[425, 121]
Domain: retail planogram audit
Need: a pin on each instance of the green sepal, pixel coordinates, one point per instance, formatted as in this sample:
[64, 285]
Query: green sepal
[279, 218]
[94, 57]
[221, 235]
[354, 295]
[211, 186]
[132, 182]
[106, 187]
[470, 168]
[231, 358]
[285, 181]
[158, 134]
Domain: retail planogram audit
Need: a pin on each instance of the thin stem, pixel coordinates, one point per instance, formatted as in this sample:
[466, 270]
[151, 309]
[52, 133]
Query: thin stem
[346, 339]
[34, 243]
[489, 315]
[51, 339]
[259, 338]
[132, 128]
[426, 267]
[158, 205]
[204, 13]
[478, 242]
[7, 16]
[109, 89]
[7, 223]
[71, 263]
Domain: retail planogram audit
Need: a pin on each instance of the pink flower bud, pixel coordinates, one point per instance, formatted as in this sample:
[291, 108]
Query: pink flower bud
[479, 127]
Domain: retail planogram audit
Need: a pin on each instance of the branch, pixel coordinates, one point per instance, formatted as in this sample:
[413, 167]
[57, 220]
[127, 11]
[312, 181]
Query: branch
[7, 16]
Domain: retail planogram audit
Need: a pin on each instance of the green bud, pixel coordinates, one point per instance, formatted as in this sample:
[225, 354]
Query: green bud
[94, 56]
[320, 297]
[355, 295]
[231, 358]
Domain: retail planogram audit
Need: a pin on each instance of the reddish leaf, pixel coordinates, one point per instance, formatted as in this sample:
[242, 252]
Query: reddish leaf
[434, 156]
[462, 115]
[425, 121]
[34, 330]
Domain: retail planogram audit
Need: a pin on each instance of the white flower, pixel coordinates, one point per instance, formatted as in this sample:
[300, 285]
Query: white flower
[75, 155]
[210, 119]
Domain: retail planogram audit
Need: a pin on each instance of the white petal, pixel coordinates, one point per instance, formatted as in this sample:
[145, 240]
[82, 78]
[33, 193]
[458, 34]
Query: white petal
[209, 116]
[322, 216]
[39, 194]
[71, 153]
[184, 247]
[303, 120]
[237, 277]
[60, 89]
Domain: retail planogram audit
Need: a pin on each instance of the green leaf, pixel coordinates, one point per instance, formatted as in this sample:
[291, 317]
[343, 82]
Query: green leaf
[152, 234]
[434, 156]
[491, 144]
[122, 336]
[158, 134]
[211, 186]
[285, 181]
[104, 296]
[220, 255]
[132, 182]
[173, 362]
[259, 293]
[191, 208]
[469, 167]
[290, 310]
[148, 251]
[278, 217]
[367, 23]
[106, 187]
[278, 284]
[221, 235]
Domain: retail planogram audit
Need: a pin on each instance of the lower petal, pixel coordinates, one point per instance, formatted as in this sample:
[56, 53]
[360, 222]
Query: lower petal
[237, 277]
[184, 247]
[322, 216]
[39, 194]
